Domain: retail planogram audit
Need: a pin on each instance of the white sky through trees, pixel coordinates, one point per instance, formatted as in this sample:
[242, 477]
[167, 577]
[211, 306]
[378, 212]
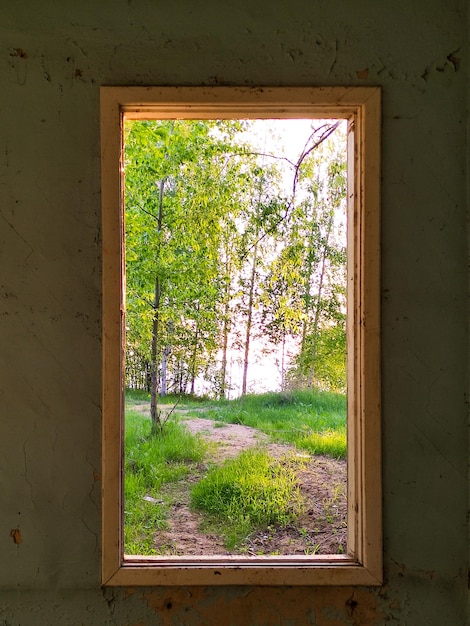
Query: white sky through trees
[281, 141]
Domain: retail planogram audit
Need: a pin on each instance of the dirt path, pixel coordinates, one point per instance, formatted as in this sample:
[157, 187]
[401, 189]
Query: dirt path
[320, 530]
[231, 439]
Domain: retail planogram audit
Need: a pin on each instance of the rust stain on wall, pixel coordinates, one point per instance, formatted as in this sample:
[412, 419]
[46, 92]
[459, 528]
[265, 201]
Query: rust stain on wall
[267, 606]
[15, 534]
[19, 52]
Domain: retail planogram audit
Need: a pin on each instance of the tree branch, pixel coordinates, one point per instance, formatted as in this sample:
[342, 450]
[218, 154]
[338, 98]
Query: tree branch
[304, 154]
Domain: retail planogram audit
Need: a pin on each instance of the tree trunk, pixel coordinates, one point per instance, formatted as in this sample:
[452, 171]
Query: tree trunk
[316, 319]
[194, 354]
[307, 303]
[249, 320]
[225, 333]
[223, 368]
[163, 388]
[283, 361]
[154, 413]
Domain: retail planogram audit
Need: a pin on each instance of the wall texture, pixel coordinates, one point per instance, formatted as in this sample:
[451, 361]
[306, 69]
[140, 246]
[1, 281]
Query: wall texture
[53, 58]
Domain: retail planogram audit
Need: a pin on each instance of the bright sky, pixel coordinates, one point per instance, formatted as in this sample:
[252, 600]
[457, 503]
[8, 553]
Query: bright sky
[288, 136]
[281, 137]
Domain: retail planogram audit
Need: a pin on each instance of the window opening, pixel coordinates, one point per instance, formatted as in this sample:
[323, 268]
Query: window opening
[234, 236]
[235, 241]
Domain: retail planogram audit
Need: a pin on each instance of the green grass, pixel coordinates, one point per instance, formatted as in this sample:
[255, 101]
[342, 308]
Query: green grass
[137, 396]
[245, 493]
[151, 462]
[249, 492]
[311, 420]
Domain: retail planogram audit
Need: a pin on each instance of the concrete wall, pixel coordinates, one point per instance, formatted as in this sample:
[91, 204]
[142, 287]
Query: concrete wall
[53, 58]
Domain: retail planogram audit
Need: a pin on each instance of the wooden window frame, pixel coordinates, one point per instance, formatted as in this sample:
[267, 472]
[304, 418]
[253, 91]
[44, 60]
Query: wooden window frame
[361, 107]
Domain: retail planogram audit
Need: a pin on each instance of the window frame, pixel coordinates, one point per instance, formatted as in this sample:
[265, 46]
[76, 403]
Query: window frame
[361, 107]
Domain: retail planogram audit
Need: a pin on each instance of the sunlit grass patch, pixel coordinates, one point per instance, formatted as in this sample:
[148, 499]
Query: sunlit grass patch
[159, 456]
[329, 442]
[309, 419]
[249, 492]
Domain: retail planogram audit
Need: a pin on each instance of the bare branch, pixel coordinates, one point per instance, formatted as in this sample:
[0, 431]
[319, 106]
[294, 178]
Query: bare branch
[173, 408]
[149, 213]
[265, 154]
[329, 130]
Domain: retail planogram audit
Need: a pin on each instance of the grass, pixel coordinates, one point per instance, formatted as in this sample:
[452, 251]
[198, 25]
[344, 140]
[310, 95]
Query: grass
[249, 492]
[311, 420]
[151, 462]
[137, 396]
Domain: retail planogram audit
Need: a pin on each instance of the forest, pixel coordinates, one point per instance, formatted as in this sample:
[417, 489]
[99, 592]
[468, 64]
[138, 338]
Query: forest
[235, 252]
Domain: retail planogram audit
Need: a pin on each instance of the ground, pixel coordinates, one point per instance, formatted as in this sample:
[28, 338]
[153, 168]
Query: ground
[320, 530]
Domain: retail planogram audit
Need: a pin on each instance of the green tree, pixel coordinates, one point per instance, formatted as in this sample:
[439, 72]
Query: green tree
[211, 235]
[175, 204]
[304, 292]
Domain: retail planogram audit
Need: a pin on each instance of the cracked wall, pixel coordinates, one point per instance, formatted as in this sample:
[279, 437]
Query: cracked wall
[53, 59]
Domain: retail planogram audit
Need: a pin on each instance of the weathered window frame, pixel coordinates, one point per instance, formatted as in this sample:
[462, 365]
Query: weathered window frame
[361, 107]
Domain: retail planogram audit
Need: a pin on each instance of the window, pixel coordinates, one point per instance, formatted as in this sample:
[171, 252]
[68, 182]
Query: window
[361, 108]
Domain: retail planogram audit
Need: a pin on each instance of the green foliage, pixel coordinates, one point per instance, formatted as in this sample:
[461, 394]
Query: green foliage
[179, 190]
[324, 353]
[330, 357]
[219, 250]
[304, 292]
[249, 492]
